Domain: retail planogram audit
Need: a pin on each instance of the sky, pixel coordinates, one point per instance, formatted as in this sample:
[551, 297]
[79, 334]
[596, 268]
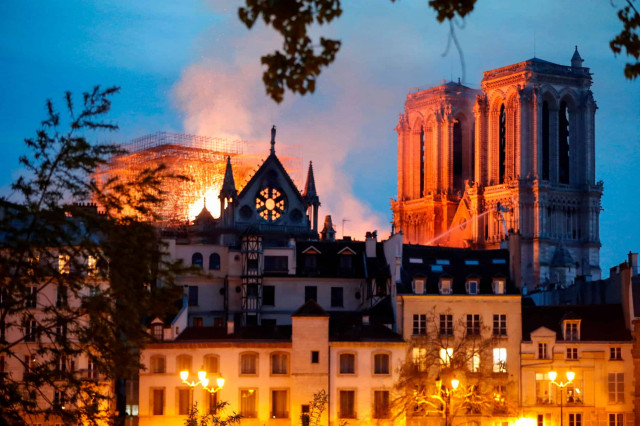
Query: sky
[192, 67]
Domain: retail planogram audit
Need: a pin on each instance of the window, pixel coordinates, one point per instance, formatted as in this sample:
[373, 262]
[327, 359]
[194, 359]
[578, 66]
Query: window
[310, 261]
[474, 360]
[29, 364]
[616, 388]
[419, 324]
[542, 351]
[30, 330]
[499, 325]
[92, 266]
[543, 388]
[446, 354]
[381, 404]
[499, 360]
[436, 268]
[346, 262]
[92, 370]
[418, 286]
[58, 399]
[276, 264]
[571, 330]
[310, 293]
[540, 419]
[211, 400]
[214, 262]
[211, 364]
[419, 357]
[445, 285]
[184, 401]
[279, 362]
[347, 404]
[197, 322]
[269, 295]
[472, 287]
[157, 331]
[442, 262]
[473, 325]
[32, 298]
[499, 261]
[197, 260]
[157, 402]
[315, 357]
[471, 262]
[572, 353]
[61, 297]
[337, 297]
[575, 419]
[378, 287]
[61, 330]
[499, 286]
[183, 363]
[193, 295]
[616, 419]
[249, 363]
[615, 353]
[446, 325]
[3, 368]
[347, 363]
[63, 263]
[248, 403]
[279, 404]
[381, 364]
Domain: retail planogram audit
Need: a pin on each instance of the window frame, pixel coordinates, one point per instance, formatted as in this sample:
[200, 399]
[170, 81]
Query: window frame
[571, 353]
[375, 413]
[214, 260]
[499, 325]
[617, 396]
[421, 321]
[272, 402]
[153, 397]
[206, 361]
[446, 325]
[256, 357]
[272, 357]
[476, 286]
[354, 364]
[254, 393]
[337, 297]
[499, 285]
[179, 359]
[419, 285]
[445, 285]
[197, 260]
[543, 350]
[474, 324]
[500, 360]
[571, 330]
[353, 404]
[374, 363]
[183, 407]
[615, 353]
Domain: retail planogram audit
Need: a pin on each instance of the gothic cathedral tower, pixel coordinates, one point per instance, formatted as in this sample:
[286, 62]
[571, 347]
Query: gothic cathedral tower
[511, 164]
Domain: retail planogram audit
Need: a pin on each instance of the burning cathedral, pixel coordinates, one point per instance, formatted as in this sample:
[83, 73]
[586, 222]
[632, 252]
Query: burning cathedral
[511, 164]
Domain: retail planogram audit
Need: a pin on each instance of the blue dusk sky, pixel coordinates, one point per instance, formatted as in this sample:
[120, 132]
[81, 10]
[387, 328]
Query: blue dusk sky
[191, 67]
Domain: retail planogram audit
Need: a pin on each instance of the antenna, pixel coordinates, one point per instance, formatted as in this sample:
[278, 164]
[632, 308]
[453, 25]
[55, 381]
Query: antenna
[534, 42]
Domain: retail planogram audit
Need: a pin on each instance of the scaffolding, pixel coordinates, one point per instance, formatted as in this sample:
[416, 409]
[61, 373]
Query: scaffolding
[200, 158]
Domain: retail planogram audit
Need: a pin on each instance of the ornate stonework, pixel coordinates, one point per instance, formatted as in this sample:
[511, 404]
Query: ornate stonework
[510, 164]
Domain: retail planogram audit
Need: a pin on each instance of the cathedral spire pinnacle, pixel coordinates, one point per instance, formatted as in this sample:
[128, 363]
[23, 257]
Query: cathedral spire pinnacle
[273, 140]
[576, 59]
[310, 195]
[228, 189]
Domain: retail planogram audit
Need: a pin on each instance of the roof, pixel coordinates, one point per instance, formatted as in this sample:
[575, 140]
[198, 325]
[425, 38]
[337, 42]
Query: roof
[327, 263]
[310, 309]
[257, 332]
[433, 263]
[603, 323]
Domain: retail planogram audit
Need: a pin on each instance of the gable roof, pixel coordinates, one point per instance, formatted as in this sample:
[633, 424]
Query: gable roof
[310, 309]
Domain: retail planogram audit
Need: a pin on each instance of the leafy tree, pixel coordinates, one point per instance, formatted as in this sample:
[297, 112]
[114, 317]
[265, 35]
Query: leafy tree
[215, 418]
[464, 353]
[297, 66]
[76, 280]
[317, 406]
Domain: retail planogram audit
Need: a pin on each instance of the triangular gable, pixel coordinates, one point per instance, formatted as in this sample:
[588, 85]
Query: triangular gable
[311, 250]
[272, 160]
[542, 332]
[346, 250]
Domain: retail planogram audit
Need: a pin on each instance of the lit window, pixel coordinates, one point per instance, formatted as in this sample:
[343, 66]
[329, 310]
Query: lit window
[347, 364]
[472, 287]
[63, 263]
[572, 353]
[157, 331]
[442, 262]
[473, 325]
[279, 363]
[499, 325]
[616, 388]
[499, 286]
[248, 403]
[419, 357]
[92, 266]
[499, 360]
[32, 298]
[419, 325]
[615, 353]
[249, 363]
[347, 404]
[381, 364]
[542, 351]
[445, 286]
[471, 262]
[418, 286]
[30, 330]
[474, 360]
[436, 268]
[446, 354]
[279, 404]
[446, 325]
[571, 330]
[381, 404]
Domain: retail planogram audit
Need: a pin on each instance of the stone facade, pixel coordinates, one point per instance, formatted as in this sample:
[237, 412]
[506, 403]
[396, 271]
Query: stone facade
[513, 161]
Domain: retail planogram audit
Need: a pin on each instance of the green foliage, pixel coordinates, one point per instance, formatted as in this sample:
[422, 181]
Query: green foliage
[629, 38]
[215, 418]
[77, 281]
[317, 406]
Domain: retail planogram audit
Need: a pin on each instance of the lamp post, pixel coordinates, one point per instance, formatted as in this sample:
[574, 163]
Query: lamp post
[203, 380]
[447, 397]
[553, 376]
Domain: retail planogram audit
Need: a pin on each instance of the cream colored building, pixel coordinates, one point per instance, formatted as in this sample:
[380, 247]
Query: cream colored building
[593, 343]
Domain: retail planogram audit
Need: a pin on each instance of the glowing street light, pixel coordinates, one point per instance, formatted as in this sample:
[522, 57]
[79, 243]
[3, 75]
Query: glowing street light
[553, 376]
[203, 380]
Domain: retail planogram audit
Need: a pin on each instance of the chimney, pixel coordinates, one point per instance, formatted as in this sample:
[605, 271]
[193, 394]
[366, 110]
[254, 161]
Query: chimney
[633, 263]
[365, 320]
[370, 243]
[230, 327]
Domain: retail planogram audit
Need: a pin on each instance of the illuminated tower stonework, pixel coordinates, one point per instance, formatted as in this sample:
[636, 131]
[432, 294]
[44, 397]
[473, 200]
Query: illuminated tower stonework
[513, 163]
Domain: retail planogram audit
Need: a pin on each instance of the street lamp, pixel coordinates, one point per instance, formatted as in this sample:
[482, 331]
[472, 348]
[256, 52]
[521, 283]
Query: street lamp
[553, 376]
[203, 380]
[447, 393]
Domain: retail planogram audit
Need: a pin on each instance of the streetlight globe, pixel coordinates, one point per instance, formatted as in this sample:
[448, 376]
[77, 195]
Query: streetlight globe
[202, 375]
[553, 375]
[184, 375]
[205, 382]
[571, 375]
[455, 383]
[220, 382]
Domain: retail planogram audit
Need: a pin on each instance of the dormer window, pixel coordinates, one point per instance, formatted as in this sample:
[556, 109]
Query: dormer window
[571, 330]
[157, 331]
[499, 285]
[472, 286]
[345, 260]
[445, 285]
[418, 286]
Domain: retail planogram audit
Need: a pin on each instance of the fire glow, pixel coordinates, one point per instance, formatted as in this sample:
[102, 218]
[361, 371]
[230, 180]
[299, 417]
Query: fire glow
[210, 197]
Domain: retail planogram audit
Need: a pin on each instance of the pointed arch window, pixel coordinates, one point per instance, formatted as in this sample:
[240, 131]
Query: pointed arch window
[502, 147]
[564, 144]
[421, 161]
[545, 140]
[458, 177]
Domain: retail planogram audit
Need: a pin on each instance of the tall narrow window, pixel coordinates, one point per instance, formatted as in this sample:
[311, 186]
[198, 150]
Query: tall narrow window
[196, 260]
[248, 403]
[184, 401]
[502, 141]
[563, 143]
[380, 404]
[214, 261]
[421, 162]
[279, 404]
[347, 404]
[446, 325]
[545, 140]
[157, 397]
[458, 178]
[616, 388]
[419, 324]
[347, 364]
